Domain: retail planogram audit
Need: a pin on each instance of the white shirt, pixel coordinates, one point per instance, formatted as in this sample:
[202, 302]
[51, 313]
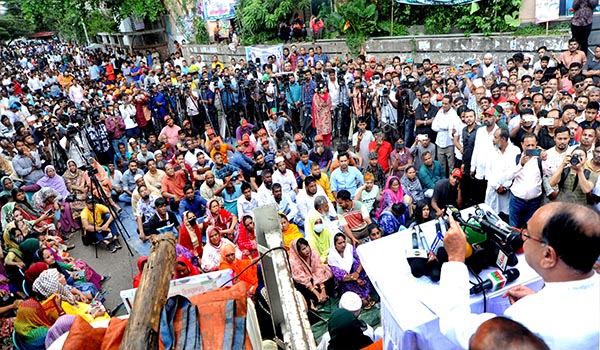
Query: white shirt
[305, 203]
[554, 159]
[265, 196]
[500, 175]
[443, 124]
[527, 179]
[287, 182]
[128, 113]
[484, 146]
[364, 146]
[246, 207]
[565, 315]
[334, 92]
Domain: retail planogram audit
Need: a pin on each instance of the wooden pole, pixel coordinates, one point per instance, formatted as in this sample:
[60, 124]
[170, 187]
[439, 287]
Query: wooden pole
[547, 30]
[143, 325]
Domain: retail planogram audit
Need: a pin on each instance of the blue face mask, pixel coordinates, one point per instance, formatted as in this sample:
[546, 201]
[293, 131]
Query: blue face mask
[19, 240]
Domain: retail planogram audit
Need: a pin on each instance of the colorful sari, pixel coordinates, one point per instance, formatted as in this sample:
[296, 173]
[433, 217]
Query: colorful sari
[211, 257]
[347, 262]
[191, 237]
[192, 270]
[32, 325]
[308, 272]
[389, 197]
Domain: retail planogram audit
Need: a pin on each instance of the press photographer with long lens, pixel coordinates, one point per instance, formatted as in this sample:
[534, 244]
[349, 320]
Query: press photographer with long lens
[575, 183]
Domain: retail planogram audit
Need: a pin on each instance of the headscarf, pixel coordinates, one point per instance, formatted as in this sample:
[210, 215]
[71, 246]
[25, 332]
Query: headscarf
[60, 327]
[56, 182]
[212, 253]
[307, 272]
[4, 191]
[291, 233]
[34, 271]
[190, 237]
[193, 270]
[346, 331]
[341, 262]
[32, 324]
[250, 272]
[48, 283]
[320, 242]
[11, 244]
[7, 213]
[29, 247]
[40, 197]
[73, 178]
[138, 277]
[411, 187]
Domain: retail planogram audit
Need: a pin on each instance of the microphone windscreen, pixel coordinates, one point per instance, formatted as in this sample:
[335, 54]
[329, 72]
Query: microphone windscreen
[435, 270]
[417, 266]
[511, 274]
[442, 255]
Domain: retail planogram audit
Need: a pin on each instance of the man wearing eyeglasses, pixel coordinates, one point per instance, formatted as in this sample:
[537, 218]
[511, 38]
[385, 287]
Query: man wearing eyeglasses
[561, 243]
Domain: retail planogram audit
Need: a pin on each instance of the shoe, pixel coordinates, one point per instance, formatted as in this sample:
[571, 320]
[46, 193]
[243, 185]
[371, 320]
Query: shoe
[70, 246]
[104, 279]
[117, 244]
[111, 248]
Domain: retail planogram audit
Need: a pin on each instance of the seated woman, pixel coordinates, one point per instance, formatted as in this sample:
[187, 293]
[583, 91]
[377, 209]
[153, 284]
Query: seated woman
[184, 268]
[318, 235]
[190, 234]
[31, 325]
[411, 184]
[250, 272]
[290, 231]
[103, 180]
[14, 259]
[311, 277]
[347, 270]
[7, 184]
[375, 232]
[30, 213]
[211, 257]
[247, 238]
[393, 218]
[48, 199]
[392, 194]
[79, 275]
[423, 212]
[225, 221]
[75, 182]
[141, 263]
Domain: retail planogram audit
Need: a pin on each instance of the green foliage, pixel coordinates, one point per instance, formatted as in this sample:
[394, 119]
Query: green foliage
[399, 29]
[201, 36]
[13, 27]
[259, 18]
[150, 9]
[99, 22]
[489, 16]
[359, 22]
[439, 22]
[540, 29]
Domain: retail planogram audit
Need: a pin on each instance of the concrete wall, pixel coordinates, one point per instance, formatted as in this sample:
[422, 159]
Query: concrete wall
[444, 49]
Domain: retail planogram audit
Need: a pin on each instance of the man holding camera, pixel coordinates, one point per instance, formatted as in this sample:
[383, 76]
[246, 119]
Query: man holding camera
[574, 182]
[98, 224]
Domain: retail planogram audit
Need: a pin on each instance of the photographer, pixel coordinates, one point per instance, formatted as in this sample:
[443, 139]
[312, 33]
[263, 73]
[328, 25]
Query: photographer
[70, 143]
[98, 138]
[157, 106]
[574, 182]
[206, 98]
[386, 102]
[128, 112]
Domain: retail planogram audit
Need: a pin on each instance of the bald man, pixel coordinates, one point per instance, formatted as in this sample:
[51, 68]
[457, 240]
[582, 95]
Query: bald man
[561, 243]
[506, 334]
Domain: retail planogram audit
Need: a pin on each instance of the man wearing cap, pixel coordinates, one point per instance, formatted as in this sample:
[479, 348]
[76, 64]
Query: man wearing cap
[447, 192]
[130, 176]
[382, 148]
[298, 144]
[220, 147]
[285, 178]
[245, 128]
[240, 160]
[321, 154]
[97, 221]
[171, 131]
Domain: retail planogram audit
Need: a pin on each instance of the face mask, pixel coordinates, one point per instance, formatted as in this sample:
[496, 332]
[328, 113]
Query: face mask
[146, 197]
[192, 222]
[318, 228]
[19, 240]
[400, 146]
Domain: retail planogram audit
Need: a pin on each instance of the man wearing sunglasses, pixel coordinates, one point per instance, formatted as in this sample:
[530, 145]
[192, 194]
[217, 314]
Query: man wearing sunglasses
[561, 242]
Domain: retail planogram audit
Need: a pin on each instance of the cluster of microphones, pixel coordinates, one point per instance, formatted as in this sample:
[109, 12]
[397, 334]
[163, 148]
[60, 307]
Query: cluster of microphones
[490, 242]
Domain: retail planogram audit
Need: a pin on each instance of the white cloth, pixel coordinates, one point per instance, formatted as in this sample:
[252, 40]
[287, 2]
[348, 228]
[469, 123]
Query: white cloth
[246, 207]
[565, 315]
[264, 195]
[527, 179]
[484, 146]
[553, 160]
[364, 146]
[287, 181]
[342, 262]
[443, 124]
[306, 203]
[500, 175]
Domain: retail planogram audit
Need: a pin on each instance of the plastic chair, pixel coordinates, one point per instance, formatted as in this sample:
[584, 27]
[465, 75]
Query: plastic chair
[25, 289]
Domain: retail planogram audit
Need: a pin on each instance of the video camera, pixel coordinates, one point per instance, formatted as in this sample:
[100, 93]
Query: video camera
[494, 243]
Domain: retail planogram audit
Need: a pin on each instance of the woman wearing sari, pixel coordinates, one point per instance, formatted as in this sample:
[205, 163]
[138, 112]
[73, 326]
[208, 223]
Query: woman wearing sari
[31, 325]
[229, 261]
[103, 180]
[392, 194]
[211, 257]
[225, 221]
[347, 270]
[321, 114]
[311, 277]
[317, 234]
[75, 182]
[141, 263]
[190, 234]
[58, 186]
[247, 238]
[29, 212]
[184, 268]
[290, 231]
[13, 260]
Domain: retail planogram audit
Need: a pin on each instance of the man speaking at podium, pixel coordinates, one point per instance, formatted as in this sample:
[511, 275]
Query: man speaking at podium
[561, 243]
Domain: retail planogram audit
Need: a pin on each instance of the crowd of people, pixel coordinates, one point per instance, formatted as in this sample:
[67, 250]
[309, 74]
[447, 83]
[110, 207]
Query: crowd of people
[349, 150]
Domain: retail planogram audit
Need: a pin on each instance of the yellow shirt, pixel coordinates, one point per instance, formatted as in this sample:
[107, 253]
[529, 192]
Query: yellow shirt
[96, 218]
[324, 183]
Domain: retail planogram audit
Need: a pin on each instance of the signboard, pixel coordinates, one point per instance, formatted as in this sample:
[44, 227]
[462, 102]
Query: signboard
[215, 10]
[262, 52]
[546, 10]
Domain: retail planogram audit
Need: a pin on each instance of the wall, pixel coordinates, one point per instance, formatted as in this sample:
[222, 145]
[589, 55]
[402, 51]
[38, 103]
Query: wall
[444, 49]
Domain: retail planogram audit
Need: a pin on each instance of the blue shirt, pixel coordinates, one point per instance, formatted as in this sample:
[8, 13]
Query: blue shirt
[429, 177]
[304, 169]
[241, 161]
[197, 206]
[295, 94]
[349, 180]
[225, 170]
[230, 199]
[308, 90]
[128, 179]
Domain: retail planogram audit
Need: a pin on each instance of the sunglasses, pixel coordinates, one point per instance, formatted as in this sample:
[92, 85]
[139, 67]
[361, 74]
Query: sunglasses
[526, 105]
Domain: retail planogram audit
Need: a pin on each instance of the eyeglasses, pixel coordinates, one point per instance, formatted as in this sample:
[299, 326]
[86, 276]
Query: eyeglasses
[579, 85]
[526, 105]
[525, 236]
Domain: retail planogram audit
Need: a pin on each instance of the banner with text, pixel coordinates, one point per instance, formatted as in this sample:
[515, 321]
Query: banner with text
[546, 10]
[262, 52]
[215, 10]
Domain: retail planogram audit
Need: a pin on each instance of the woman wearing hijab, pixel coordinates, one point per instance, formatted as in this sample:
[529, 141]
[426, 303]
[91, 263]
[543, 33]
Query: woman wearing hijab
[75, 181]
[321, 113]
[190, 234]
[184, 268]
[290, 231]
[6, 184]
[250, 272]
[14, 260]
[32, 273]
[311, 277]
[225, 221]
[392, 194]
[411, 184]
[318, 235]
[51, 199]
[28, 211]
[211, 257]
[88, 283]
[348, 271]
[247, 238]
[141, 263]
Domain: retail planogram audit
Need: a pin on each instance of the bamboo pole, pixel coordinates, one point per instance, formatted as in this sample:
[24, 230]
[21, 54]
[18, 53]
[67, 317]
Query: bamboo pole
[143, 325]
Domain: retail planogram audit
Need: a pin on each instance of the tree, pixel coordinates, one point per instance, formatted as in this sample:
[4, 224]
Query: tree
[12, 27]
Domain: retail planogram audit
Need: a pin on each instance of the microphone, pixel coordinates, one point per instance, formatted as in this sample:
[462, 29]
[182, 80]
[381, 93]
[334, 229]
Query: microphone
[417, 258]
[433, 268]
[495, 281]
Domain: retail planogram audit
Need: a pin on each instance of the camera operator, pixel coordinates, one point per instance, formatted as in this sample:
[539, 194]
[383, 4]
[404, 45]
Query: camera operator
[206, 99]
[308, 90]
[127, 110]
[157, 105]
[98, 138]
[339, 101]
[228, 91]
[405, 97]
[69, 143]
[574, 182]
[386, 102]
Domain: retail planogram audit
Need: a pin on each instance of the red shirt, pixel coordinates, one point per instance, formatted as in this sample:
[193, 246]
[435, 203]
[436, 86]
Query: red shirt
[383, 153]
[175, 184]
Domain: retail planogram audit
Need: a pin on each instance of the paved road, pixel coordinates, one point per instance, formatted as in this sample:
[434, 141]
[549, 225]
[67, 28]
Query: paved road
[121, 266]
